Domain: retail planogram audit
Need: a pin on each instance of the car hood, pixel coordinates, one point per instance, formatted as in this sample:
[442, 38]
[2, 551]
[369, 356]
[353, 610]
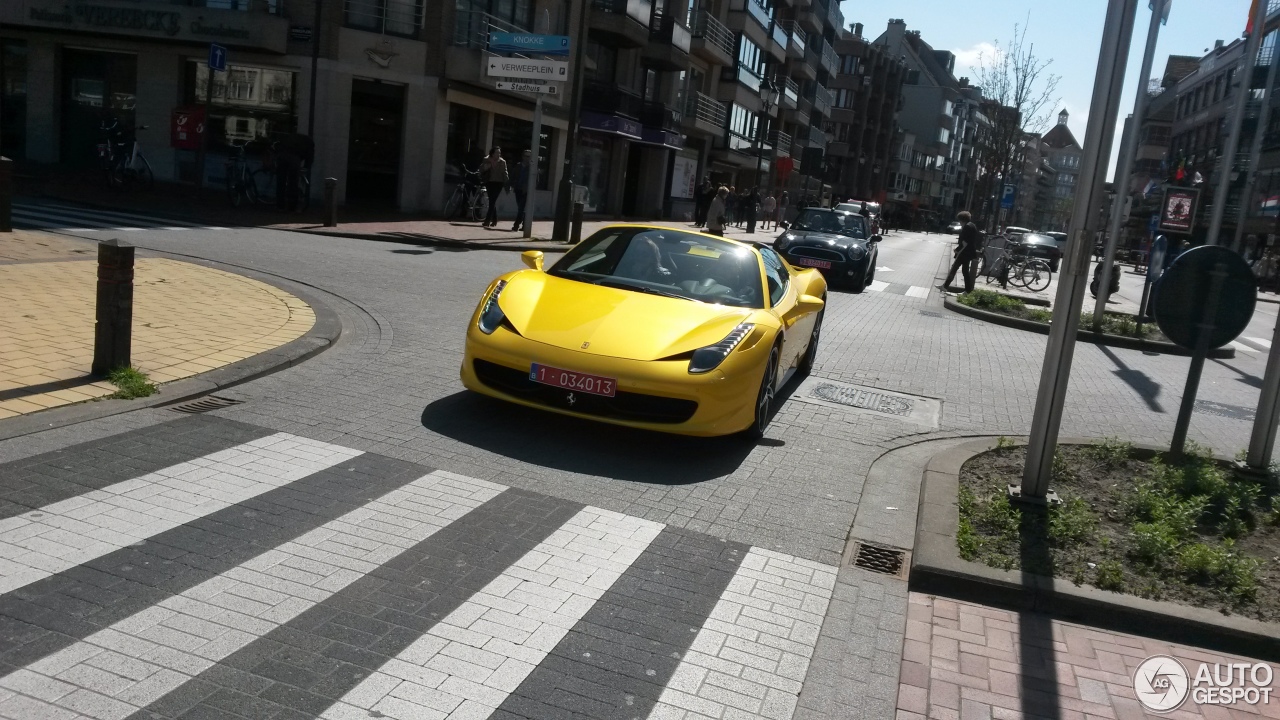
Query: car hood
[821, 239]
[611, 322]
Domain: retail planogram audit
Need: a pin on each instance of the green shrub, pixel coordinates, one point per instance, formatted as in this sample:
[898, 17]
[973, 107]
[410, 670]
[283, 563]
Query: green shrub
[967, 540]
[1222, 567]
[132, 383]
[1109, 575]
[990, 300]
[1039, 314]
[1061, 469]
[1154, 543]
[1004, 443]
[1071, 523]
[1111, 452]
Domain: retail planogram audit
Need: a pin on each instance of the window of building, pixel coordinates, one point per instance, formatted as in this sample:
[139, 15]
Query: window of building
[742, 127]
[13, 99]
[393, 17]
[944, 135]
[848, 64]
[845, 98]
[250, 104]
[605, 58]
[948, 107]
[1229, 86]
[750, 63]
[913, 77]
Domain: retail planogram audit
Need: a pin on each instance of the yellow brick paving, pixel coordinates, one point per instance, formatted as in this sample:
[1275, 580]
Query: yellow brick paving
[187, 319]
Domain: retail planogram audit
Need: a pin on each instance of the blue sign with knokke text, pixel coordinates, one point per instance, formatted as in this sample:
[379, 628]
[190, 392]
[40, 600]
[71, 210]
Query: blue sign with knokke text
[528, 43]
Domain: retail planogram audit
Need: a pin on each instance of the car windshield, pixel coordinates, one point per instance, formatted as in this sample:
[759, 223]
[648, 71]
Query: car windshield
[831, 221]
[667, 262]
[873, 208]
[1038, 239]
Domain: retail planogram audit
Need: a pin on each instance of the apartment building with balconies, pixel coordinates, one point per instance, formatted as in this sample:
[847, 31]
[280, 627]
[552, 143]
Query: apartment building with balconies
[867, 91]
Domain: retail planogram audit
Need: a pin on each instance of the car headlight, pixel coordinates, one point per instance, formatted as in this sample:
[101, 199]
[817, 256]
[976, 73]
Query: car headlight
[709, 358]
[784, 241]
[856, 252]
[491, 316]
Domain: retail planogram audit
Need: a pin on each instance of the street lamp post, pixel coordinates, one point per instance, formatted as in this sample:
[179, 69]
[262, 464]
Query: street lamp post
[768, 96]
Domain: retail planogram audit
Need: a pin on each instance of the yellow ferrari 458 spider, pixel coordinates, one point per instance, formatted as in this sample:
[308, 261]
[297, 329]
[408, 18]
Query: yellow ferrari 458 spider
[650, 327]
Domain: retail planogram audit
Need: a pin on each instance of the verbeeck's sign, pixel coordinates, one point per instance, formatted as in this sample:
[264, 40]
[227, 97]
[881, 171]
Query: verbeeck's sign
[154, 21]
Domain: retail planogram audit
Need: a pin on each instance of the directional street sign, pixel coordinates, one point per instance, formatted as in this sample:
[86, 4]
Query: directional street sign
[529, 86]
[533, 69]
[217, 58]
[529, 43]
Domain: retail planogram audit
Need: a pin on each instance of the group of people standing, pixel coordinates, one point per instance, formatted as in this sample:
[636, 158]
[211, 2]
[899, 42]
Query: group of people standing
[497, 177]
[716, 208]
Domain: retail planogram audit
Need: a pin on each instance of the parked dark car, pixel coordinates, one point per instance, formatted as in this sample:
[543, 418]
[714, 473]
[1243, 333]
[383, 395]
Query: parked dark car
[1042, 245]
[953, 228]
[838, 243]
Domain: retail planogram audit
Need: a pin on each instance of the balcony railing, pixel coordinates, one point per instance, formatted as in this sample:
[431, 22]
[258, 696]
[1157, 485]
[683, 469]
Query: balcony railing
[797, 34]
[638, 10]
[659, 115]
[706, 109]
[790, 92]
[755, 9]
[392, 17]
[782, 141]
[835, 18]
[608, 99]
[471, 29]
[780, 35]
[830, 61]
[708, 28]
[665, 28]
[822, 99]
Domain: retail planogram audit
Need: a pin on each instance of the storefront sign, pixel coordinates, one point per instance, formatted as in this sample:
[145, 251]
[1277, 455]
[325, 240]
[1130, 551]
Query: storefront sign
[528, 69]
[612, 124]
[684, 177]
[654, 136]
[1178, 212]
[204, 24]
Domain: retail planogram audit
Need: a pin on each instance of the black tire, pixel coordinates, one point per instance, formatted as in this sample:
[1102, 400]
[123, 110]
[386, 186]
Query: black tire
[235, 193]
[1053, 264]
[859, 284]
[304, 194]
[146, 179]
[479, 207]
[1036, 276]
[1093, 287]
[454, 205]
[264, 187]
[811, 352]
[765, 397]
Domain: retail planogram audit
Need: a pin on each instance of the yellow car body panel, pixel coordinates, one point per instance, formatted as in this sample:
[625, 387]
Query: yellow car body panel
[642, 341]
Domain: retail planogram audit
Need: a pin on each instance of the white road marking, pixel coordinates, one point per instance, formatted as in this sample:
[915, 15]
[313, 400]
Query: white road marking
[1242, 346]
[877, 286]
[1260, 341]
[918, 292]
[883, 269]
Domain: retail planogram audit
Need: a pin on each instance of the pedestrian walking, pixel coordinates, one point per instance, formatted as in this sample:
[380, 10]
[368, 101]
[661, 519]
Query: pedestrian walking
[784, 206]
[701, 201]
[753, 209]
[520, 185]
[730, 205]
[493, 171]
[770, 211]
[292, 152]
[966, 252]
[716, 218]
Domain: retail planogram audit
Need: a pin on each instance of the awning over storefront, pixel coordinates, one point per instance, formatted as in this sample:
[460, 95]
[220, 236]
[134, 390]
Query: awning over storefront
[612, 125]
[662, 138]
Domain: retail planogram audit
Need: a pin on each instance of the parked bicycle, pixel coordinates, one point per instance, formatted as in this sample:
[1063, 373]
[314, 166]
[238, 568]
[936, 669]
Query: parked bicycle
[469, 200]
[121, 159]
[1014, 267]
[240, 185]
[261, 186]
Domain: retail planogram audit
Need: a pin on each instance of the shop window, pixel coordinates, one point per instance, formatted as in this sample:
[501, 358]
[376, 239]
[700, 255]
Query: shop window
[252, 105]
[513, 135]
[605, 58]
[13, 99]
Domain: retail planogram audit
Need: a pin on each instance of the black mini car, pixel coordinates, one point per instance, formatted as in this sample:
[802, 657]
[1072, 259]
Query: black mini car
[839, 244]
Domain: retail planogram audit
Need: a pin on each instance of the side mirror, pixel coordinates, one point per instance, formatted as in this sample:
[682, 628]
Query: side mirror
[808, 304]
[532, 258]
[876, 238]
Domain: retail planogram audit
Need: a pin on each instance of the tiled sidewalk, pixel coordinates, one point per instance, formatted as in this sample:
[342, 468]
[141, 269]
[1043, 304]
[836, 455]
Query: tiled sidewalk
[968, 661]
[188, 319]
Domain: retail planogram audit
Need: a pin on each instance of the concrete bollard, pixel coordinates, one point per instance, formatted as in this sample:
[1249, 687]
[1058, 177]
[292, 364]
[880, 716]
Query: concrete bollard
[575, 230]
[6, 195]
[331, 202]
[112, 331]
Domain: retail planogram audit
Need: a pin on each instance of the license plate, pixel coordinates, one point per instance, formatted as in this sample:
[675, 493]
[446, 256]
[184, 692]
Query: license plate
[570, 380]
[810, 262]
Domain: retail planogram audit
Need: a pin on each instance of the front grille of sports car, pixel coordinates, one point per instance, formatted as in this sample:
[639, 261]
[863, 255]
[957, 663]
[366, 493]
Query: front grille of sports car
[636, 407]
[816, 253]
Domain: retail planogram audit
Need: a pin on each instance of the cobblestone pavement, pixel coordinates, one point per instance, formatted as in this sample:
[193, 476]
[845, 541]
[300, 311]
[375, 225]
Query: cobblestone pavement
[389, 389]
[969, 661]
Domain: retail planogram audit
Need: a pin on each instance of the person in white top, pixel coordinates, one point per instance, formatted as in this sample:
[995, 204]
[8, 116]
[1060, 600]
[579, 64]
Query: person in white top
[770, 205]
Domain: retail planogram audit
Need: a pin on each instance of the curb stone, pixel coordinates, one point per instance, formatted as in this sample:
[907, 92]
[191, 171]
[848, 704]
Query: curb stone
[434, 241]
[1225, 352]
[938, 569]
[322, 335]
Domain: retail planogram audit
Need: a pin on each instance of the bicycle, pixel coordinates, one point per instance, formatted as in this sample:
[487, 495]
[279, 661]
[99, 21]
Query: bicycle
[260, 187]
[240, 185]
[120, 168]
[469, 200]
[1015, 267]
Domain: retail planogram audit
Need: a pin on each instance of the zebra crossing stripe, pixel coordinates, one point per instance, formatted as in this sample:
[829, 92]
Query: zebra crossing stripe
[615, 662]
[99, 215]
[47, 220]
[56, 537]
[123, 668]
[320, 656]
[470, 662]
[752, 653]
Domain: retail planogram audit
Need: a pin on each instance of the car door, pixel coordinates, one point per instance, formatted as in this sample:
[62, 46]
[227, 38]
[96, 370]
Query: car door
[783, 295]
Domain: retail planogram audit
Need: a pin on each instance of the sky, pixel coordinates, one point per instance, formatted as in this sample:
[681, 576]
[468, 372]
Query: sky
[1068, 33]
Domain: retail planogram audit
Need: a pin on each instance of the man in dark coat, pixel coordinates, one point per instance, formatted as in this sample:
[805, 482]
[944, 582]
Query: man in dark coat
[702, 197]
[966, 252]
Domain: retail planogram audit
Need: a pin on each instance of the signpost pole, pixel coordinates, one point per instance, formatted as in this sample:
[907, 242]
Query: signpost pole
[1197, 361]
[1108, 84]
[1228, 155]
[1255, 148]
[208, 130]
[564, 196]
[535, 150]
[1128, 148]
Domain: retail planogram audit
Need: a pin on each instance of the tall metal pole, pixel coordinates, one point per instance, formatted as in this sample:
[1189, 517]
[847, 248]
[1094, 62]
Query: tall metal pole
[315, 64]
[1128, 148]
[534, 162]
[1108, 84]
[1228, 155]
[564, 196]
[1255, 146]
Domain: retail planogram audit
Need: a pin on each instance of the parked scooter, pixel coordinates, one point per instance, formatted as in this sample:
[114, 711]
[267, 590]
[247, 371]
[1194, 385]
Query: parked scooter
[1115, 279]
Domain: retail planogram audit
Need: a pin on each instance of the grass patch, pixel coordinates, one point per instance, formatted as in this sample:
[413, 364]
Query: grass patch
[1188, 531]
[1119, 324]
[1112, 323]
[132, 382]
[992, 301]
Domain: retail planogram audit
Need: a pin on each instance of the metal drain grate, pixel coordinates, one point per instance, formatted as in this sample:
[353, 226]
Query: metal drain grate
[880, 559]
[1237, 412]
[864, 399]
[205, 404]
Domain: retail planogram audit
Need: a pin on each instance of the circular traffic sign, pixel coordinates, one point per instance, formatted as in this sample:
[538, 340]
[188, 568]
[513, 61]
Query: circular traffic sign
[1182, 296]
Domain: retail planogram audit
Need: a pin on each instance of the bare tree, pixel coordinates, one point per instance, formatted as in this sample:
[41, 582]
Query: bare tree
[1020, 95]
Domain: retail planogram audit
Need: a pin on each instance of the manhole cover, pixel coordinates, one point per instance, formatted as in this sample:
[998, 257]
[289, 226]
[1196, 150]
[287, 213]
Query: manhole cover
[1236, 412]
[205, 404]
[880, 559]
[865, 399]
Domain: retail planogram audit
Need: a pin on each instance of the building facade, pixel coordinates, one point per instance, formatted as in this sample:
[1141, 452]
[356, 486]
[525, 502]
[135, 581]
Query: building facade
[864, 117]
[1063, 153]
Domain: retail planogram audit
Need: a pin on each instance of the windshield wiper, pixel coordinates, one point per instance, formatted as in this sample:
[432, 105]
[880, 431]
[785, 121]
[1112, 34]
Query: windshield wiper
[615, 283]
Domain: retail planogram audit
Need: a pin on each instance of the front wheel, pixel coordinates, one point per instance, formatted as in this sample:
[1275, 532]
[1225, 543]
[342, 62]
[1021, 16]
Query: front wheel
[764, 399]
[1036, 276]
[146, 179]
[811, 352]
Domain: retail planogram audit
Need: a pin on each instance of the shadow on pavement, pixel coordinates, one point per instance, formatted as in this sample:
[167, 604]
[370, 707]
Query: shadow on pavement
[1037, 657]
[1251, 380]
[1141, 383]
[565, 443]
